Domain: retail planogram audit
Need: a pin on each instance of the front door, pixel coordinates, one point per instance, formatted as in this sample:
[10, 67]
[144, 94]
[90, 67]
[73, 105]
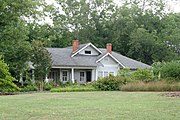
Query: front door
[88, 76]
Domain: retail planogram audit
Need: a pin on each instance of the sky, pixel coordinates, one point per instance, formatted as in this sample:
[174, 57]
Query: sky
[173, 4]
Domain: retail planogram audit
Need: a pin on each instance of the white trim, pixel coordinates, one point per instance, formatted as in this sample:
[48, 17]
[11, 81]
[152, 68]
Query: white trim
[111, 57]
[76, 52]
[74, 67]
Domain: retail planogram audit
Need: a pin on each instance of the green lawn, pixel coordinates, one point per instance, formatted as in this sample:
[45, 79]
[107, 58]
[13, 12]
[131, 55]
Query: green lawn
[90, 106]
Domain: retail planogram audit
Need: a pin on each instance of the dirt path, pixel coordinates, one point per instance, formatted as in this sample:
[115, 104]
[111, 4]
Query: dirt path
[172, 94]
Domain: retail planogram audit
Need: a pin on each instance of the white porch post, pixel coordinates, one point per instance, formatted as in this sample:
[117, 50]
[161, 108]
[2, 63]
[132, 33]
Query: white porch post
[21, 79]
[60, 78]
[33, 79]
[46, 78]
[96, 71]
[72, 75]
[93, 75]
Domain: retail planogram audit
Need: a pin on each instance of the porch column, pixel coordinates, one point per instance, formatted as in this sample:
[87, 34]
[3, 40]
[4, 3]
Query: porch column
[93, 75]
[33, 79]
[72, 75]
[60, 78]
[21, 79]
[46, 78]
[96, 71]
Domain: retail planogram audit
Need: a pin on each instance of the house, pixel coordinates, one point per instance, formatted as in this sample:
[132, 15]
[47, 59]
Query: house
[86, 62]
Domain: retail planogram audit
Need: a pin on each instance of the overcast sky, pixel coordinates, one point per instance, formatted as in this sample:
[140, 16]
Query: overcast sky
[173, 4]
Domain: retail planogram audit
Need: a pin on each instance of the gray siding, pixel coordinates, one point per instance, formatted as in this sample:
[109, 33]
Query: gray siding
[109, 66]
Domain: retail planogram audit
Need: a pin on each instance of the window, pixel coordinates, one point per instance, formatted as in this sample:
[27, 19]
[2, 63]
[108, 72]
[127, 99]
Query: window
[100, 73]
[105, 73]
[64, 75]
[53, 75]
[81, 76]
[87, 52]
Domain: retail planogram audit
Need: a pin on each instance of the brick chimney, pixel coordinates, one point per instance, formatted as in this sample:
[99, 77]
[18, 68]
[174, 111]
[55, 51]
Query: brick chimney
[109, 47]
[75, 45]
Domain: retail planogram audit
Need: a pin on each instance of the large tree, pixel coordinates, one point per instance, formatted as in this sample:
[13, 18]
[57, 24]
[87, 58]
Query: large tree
[170, 32]
[147, 47]
[14, 31]
[84, 20]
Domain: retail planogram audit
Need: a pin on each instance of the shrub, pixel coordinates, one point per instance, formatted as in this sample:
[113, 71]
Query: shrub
[6, 80]
[74, 88]
[110, 83]
[125, 72]
[143, 75]
[29, 88]
[8, 90]
[151, 86]
[48, 86]
[170, 70]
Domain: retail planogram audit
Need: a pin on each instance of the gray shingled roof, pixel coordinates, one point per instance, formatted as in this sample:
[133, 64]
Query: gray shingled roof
[62, 57]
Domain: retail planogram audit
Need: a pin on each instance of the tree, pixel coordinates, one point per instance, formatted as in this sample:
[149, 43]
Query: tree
[84, 20]
[14, 47]
[146, 47]
[14, 31]
[170, 32]
[41, 60]
[123, 23]
[6, 80]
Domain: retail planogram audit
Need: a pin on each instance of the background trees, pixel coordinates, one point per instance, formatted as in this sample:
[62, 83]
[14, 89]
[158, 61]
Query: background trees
[137, 28]
[140, 29]
[14, 32]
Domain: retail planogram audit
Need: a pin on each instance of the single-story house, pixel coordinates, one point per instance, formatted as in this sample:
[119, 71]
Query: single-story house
[86, 62]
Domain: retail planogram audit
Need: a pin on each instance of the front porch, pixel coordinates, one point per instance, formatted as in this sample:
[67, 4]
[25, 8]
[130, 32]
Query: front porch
[79, 75]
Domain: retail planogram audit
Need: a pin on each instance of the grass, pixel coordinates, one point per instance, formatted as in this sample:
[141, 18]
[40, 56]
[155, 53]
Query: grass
[90, 106]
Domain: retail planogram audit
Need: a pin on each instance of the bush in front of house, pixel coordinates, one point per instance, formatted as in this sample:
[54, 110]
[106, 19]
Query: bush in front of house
[74, 88]
[6, 80]
[167, 70]
[151, 86]
[29, 86]
[110, 83]
[145, 75]
[171, 70]
[48, 86]
[8, 90]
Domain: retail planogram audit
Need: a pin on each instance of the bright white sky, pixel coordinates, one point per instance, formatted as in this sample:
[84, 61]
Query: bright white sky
[173, 4]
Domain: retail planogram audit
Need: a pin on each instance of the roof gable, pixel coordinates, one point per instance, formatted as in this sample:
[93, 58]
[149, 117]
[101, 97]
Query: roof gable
[108, 54]
[89, 44]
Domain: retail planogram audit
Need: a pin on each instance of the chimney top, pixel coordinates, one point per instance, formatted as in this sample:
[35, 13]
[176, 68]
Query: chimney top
[75, 45]
[109, 47]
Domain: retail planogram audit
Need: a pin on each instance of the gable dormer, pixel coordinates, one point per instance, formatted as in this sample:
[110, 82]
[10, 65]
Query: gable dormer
[87, 49]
